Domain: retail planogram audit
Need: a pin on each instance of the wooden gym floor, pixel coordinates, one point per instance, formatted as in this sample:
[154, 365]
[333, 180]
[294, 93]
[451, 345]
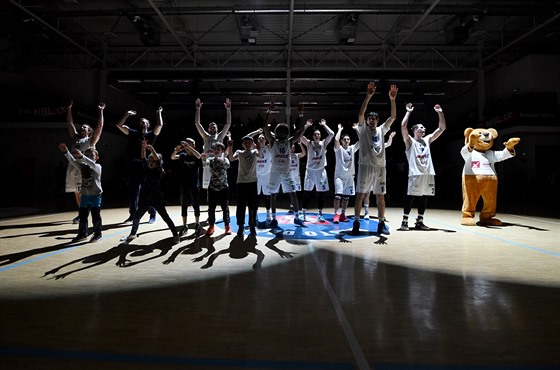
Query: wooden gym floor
[455, 297]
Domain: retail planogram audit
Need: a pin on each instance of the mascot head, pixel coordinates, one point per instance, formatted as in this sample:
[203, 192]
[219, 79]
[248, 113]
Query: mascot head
[480, 139]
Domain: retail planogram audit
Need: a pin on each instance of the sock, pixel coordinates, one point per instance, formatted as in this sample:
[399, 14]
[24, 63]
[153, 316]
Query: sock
[303, 210]
[405, 219]
[366, 208]
[343, 211]
[420, 218]
[336, 211]
[273, 215]
[320, 212]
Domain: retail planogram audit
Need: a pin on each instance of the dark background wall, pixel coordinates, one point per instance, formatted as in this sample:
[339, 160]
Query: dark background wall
[519, 100]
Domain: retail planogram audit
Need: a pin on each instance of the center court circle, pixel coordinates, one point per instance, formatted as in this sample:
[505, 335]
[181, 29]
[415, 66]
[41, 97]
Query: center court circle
[314, 230]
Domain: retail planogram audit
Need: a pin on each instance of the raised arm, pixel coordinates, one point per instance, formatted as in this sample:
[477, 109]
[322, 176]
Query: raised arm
[299, 133]
[70, 121]
[389, 141]
[441, 125]
[370, 91]
[404, 126]
[227, 105]
[337, 137]
[121, 126]
[255, 133]
[176, 151]
[99, 128]
[303, 150]
[159, 121]
[191, 149]
[330, 133]
[393, 99]
[199, 128]
[229, 151]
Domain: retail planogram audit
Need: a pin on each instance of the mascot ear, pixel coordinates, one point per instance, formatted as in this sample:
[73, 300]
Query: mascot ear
[493, 132]
[467, 134]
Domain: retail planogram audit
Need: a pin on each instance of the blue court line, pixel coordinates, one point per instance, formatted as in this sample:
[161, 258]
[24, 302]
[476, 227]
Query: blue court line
[555, 254]
[170, 360]
[5, 268]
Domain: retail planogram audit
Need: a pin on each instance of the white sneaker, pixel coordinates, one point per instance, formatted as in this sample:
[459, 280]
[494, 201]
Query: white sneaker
[366, 216]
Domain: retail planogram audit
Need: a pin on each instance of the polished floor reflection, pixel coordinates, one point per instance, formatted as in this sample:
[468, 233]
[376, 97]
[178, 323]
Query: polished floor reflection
[455, 297]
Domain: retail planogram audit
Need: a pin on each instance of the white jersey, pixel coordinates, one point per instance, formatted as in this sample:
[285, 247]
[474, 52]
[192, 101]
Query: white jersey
[316, 154]
[294, 170]
[247, 170]
[419, 157]
[90, 172]
[264, 164]
[82, 143]
[482, 163]
[372, 145]
[210, 140]
[345, 160]
[280, 156]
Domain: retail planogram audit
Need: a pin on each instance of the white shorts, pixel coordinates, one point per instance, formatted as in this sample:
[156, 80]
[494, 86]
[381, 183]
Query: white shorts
[371, 178]
[297, 181]
[344, 185]
[421, 185]
[73, 182]
[206, 173]
[281, 178]
[262, 183]
[316, 179]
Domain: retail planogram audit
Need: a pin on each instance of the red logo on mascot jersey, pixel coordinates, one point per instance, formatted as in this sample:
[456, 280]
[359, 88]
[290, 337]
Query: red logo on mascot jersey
[475, 164]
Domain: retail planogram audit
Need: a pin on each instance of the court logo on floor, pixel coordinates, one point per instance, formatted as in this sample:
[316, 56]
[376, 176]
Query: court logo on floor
[313, 229]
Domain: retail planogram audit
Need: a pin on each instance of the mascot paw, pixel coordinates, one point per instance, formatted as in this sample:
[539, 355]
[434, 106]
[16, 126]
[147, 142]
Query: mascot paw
[468, 221]
[490, 222]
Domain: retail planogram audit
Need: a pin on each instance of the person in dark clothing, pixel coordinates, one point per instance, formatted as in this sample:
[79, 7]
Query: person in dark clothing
[135, 139]
[151, 194]
[189, 181]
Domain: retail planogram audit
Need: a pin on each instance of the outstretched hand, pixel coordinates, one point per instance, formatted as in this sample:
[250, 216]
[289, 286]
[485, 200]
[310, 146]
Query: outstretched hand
[393, 92]
[371, 88]
[511, 143]
[409, 107]
[437, 108]
[227, 104]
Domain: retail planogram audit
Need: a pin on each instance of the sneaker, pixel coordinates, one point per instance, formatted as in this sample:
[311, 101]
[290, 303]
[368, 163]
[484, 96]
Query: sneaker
[253, 231]
[129, 219]
[79, 238]
[176, 239]
[76, 220]
[343, 218]
[335, 218]
[95, 238]
[291, 211]
[240, 232]
[210, 230]
[273, 223]
[184, 230]
[299, 222]
[356, 227]
[382, 228]
[131, 237]
[404, 226]
[268, 219]
[304, 217]
[419, 225]
[197, 229]
[228, 230]
[366, 216]
[152, 219]
[320, 218]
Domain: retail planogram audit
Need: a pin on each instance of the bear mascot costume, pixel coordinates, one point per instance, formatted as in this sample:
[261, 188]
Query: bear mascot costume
[479, 177]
